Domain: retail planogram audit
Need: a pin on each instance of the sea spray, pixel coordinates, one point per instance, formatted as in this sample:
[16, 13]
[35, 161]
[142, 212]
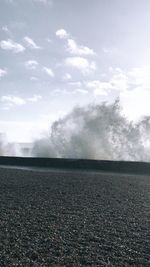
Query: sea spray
[96, 132]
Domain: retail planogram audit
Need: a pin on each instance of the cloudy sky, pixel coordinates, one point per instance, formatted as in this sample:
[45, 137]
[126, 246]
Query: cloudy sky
[57, 54]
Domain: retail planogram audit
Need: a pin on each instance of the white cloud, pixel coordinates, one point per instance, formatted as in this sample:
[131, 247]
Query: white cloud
[45, 2]
[12, 46]
[82, 91]
[30, 43]
[5, 29]
[2, 73]
[10, 101]
[140, 76]
[125, 80]
[49, 71]
[105, 50]
[49, 40]
[72, 47]
[77, 84]
[67, 77]
[9, 1]
[35, 98]
[132, 87]
[79, 50]
[81, 64]
[31, 64]
[119, 80]
[62, 34]
[33, 78]
[135, 103]
[99, 87]
[110, 51]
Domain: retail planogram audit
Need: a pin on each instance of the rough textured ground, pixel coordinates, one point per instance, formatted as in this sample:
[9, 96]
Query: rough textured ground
[73, 219]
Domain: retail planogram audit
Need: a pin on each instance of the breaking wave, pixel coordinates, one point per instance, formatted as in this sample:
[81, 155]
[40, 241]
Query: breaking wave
[96, 132]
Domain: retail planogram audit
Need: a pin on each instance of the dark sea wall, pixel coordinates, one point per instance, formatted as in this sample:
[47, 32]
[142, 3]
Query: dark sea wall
[81, 164]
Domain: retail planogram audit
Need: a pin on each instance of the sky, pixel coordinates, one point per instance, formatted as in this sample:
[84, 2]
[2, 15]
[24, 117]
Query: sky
[58, 54]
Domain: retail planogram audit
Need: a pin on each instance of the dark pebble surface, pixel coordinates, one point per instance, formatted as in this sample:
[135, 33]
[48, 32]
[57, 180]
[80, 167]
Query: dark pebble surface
[73, 218]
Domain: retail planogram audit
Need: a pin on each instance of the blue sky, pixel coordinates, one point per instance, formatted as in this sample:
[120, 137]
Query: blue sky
[56, 54]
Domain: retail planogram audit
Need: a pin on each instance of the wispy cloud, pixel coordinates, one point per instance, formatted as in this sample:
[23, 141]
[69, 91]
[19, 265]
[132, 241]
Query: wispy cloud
[30, 43]
[5, 29]
[62, 34]
[9, 1]
[49, 71]
[80, 63]
[7, 32]
[34, 79]
[10, 45]
[118, 81]
[45, 2]
[10, 101]
[132, 88]
[81, 91]
[31, 64]
[140, 76]
[2, 73]
[76, 84]
[75, 49]
[110, 51]
[135, 103]
[99, 87]
[67, 77]
[35, 98]
[49, 40]
[72, 47]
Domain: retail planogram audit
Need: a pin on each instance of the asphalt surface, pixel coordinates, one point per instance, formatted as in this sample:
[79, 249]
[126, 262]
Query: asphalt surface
[73, 218]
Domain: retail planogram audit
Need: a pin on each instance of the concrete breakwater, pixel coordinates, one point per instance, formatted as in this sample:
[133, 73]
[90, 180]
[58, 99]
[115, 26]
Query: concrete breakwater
[79, 164]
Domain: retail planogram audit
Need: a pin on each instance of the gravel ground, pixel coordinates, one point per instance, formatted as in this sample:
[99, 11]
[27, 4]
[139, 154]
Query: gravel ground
[72, 218]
